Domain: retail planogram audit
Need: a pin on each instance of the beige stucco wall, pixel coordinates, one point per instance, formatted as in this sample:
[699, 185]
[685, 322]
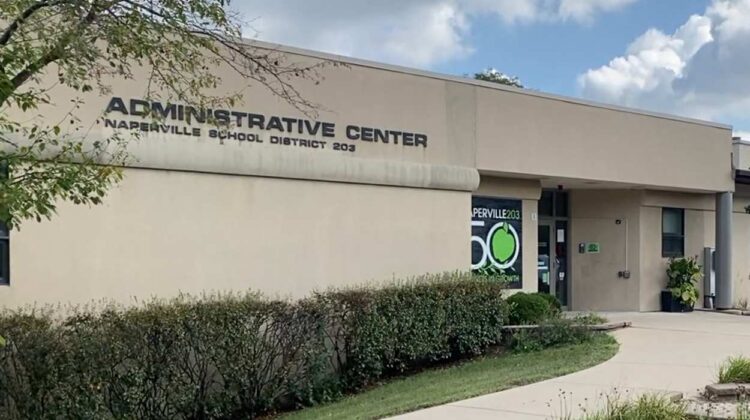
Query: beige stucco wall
[164, 232]
[741, 245]
[546, 137]
[529, 192]
[595, 283]
[699, 233]
[741, 258]
[353, 95]
[470, 125]
[198, 213]
[741, 154]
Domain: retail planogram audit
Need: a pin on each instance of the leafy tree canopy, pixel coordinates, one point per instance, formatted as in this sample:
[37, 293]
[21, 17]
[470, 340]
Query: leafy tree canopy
[493, 75]
[84, 44]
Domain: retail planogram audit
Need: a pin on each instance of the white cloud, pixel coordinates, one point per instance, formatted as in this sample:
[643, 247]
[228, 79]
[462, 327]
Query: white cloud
[702, 70]
[418, 33]
[584, 10]
[528, 11]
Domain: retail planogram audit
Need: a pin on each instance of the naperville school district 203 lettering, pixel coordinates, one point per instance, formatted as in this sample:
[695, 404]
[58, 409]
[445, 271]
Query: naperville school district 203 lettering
[225, 124]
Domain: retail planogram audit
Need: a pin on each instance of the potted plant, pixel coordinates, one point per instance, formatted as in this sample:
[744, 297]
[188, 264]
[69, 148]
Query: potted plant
[681, 293]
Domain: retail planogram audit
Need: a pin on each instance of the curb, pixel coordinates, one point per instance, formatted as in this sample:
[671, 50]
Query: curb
[737, 312]
[727, 390]
[606, 327]
[719, 402]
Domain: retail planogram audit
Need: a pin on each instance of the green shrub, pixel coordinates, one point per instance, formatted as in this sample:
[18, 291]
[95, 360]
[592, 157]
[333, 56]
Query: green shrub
[528, 308]
[397, 328]
[735, 370]
[550, 333]
[683, 275]
[235, 356]
[552, 301]
[219, 357]
[590, 318]
[32, 367]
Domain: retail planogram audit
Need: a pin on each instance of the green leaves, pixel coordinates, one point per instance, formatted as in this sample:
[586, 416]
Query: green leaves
[390, 330]
[237, 356]
[530, 308]
[182, 45]
[494, 76]
[54, 167]
[683, 275]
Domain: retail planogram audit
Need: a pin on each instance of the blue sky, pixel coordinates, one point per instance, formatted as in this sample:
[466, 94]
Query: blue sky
[685, 57]
[550, 56]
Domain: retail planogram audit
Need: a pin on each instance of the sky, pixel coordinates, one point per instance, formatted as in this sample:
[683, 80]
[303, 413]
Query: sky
[684, 57]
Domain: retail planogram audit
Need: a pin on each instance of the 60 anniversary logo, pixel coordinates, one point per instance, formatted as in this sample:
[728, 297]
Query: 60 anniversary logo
[496, 229]
[500, 247]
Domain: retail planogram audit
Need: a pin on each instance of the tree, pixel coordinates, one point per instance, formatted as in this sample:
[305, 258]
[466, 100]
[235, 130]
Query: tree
[86, 44]
[492, 75]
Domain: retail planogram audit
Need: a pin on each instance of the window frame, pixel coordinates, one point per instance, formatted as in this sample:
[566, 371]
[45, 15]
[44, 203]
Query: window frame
[673, 236]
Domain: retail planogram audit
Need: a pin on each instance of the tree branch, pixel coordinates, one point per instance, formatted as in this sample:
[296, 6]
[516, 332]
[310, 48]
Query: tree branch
[13, 26]
[54, 54]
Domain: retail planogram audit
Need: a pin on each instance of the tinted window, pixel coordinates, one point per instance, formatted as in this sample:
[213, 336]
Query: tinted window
[561, 204]
[545, 203]
[672, 232]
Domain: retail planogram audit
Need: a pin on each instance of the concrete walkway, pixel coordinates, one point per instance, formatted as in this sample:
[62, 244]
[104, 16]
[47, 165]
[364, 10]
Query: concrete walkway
[660, 352]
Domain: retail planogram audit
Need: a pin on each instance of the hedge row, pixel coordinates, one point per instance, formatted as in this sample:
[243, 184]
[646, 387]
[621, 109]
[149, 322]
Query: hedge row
[237, 356]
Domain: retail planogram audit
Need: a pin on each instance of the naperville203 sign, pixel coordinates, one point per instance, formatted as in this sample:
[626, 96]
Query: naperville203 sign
[496, 227]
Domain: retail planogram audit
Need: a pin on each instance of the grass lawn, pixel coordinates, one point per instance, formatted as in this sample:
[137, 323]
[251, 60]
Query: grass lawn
[472, 378]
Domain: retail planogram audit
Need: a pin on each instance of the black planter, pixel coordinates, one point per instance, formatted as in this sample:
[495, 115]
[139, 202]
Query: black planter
[669, 303]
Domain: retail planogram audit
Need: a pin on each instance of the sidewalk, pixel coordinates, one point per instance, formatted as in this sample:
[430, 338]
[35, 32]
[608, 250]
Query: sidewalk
[660, 352]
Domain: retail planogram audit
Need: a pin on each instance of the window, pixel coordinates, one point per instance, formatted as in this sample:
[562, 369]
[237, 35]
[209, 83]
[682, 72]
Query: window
[561, 204]
[672, 232]
[553, 203]
[546, 203]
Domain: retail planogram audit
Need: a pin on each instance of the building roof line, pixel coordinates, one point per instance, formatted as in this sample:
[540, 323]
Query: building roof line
[480, 83]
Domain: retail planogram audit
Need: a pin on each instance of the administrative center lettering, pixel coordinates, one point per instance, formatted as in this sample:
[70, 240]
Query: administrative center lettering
[233, 125]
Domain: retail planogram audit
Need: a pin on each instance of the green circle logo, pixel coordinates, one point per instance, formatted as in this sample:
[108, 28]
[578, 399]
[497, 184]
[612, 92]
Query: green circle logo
[503, 244]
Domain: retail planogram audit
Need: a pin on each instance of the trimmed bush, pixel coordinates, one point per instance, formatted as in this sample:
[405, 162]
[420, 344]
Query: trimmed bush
[236, 356]
[222, 357]
[397, 328]
[552, 301]
[528, 308]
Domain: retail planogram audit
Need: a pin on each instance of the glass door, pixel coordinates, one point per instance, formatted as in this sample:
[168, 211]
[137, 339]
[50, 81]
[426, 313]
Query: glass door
[544, 258]
[552, 263]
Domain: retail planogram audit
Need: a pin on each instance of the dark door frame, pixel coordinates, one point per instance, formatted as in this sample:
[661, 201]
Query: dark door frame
[552, 220]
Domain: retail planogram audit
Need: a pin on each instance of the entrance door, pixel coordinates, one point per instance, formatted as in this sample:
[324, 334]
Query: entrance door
[552, 263]
[545, 258]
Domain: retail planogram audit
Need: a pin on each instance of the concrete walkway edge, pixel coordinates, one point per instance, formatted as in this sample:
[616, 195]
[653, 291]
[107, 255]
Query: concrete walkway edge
[660, 353]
